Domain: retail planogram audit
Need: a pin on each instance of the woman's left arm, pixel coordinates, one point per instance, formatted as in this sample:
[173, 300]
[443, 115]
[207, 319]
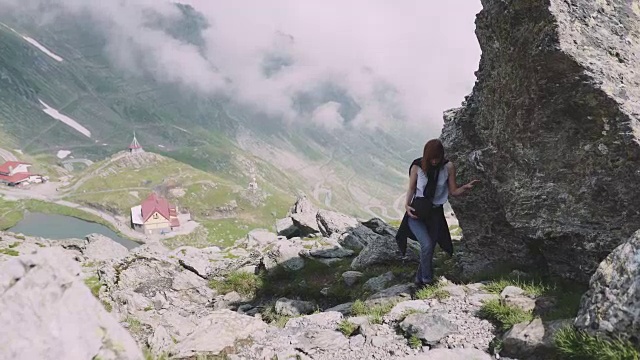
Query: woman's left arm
[454, 189]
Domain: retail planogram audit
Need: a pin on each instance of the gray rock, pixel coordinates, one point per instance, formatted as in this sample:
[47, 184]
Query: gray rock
[102, 248]
[260, 239]
[290, 307]
[306, 223]
[407, 307]
[431, 328]
[522, 302]
[285, 227]
[450, 354]
[321, 340]
[480, 299]
[356, 342]
[286, 254]
[331, 222]
[381, 249]
[511, 291]
[323, 320]
[196, 260]
[532, 340]
[561, 84]
[351, 277]
[379, 282]
[455, 290]
[208, 337]
[331, 252]
[344, 309]
[49, 313]
[393, 294]
[611, 306]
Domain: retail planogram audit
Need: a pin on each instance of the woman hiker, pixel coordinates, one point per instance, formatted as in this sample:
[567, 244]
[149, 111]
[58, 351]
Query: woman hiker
[431, 179]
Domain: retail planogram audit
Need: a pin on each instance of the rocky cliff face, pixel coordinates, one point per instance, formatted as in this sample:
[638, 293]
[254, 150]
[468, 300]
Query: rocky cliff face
[552, 130]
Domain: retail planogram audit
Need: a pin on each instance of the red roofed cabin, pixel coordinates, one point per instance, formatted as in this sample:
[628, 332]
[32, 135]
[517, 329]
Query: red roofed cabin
[14, 173]
[154, 216]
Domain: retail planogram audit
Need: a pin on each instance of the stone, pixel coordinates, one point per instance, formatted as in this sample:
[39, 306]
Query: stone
[260, 239]
[102, 248]
[450, 354]
[381, 249]
[532, 340]
[196, 260]
[379, 282]
[321, 340]
[611, 306]
[511, 291]
[285, 254]
[331, 222]
[49, 313]
[399, 311]
[344, 309]
[356, 342]
[323, 320]
[285, 227]
[431, 328]
[455, 290]
[208, 338]
[306, 223]
[480, 299]
[331, 252]
[552, 92]
[290, 307]
[394, 294]
[522, 302]
[351, 277]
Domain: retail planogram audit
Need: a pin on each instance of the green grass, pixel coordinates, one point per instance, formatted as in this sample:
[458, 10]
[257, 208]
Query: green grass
[504, 316]
[347, 328]
[241, 282]
[107, 306]
[573, 344]
[93, 283]
[135, 326]
[530, 287]
[374, 313]
[432, 292]
[414, 342]
[9, 252]
[149, 355]
[15, 244]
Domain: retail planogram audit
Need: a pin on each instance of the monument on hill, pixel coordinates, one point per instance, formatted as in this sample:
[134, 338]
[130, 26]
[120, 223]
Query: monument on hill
[135, 146]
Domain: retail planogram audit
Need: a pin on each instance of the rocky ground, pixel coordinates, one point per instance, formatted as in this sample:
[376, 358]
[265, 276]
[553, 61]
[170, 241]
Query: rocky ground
[326, 287]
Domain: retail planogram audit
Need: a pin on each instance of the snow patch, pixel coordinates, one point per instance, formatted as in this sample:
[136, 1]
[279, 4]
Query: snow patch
[65, 119]
[42, 48]
[63, 154]
[161, 146]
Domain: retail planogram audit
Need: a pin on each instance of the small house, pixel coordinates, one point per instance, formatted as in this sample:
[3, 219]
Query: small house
[154, 216]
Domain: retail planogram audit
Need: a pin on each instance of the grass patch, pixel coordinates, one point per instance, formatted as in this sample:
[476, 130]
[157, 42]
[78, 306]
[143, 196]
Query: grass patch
[409, 312]
[93, 283]
[9, 252]
[432, 292]
[531, 287]
[135, 326]
[347, 327]
[107, 306]
[374, 313]
[504, 316]
[270, 316]
[414, 342]
[573, 344]
[149, 355]
[241, 282]
[15, 244]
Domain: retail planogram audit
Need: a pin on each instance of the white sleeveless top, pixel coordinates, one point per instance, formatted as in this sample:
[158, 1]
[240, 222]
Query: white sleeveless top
[442, 189]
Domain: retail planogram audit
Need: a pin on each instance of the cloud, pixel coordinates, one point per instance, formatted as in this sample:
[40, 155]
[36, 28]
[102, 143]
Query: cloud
[383, 61]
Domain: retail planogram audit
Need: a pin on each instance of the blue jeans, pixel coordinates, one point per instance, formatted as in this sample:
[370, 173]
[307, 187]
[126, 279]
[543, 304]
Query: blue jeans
[427, 245]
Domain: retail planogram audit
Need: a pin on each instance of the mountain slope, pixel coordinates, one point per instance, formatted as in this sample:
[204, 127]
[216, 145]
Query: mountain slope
[355, 170]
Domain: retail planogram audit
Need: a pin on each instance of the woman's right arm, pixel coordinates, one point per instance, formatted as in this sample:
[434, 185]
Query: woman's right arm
[413, 182]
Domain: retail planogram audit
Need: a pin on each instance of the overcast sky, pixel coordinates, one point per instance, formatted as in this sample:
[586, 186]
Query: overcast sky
[407, 59]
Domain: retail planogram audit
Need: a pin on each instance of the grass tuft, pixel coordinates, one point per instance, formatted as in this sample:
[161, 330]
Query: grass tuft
[432, 292]
[9, 252]
[573, 344]
[93, 283]
[414, 342]
[532, 288]
[504, 316]
[347, 327]
[241, 282]
[374, 313]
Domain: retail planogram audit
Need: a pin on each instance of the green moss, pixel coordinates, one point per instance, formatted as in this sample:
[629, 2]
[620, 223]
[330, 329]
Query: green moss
[347, 327]
[241, 282]
[15, 244]
[572, 344]
[93, 283]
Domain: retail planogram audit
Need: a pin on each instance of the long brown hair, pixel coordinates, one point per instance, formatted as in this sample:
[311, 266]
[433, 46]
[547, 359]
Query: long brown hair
[433, 149]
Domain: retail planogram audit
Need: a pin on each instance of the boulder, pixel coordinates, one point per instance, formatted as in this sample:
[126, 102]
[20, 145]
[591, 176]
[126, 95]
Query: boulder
[331, 222]
[303, 214]
[286, 254]
[430, 328]
[381, 249]
[532, 340]
[552, 130]
[285, 227]
[208, 339]
[611, 306]
[101, 248]
[351, 277]
[332, 252]
[49, 313]
[379, 282]
[197, 260]
[290, 307]
[389, 295]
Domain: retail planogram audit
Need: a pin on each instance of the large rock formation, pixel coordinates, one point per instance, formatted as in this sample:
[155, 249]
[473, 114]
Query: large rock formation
[611, 307]
[47, 312]
[552, 130]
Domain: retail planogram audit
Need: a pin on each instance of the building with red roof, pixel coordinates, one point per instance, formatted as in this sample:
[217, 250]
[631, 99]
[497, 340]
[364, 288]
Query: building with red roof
[154, 216]
[14, 173]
